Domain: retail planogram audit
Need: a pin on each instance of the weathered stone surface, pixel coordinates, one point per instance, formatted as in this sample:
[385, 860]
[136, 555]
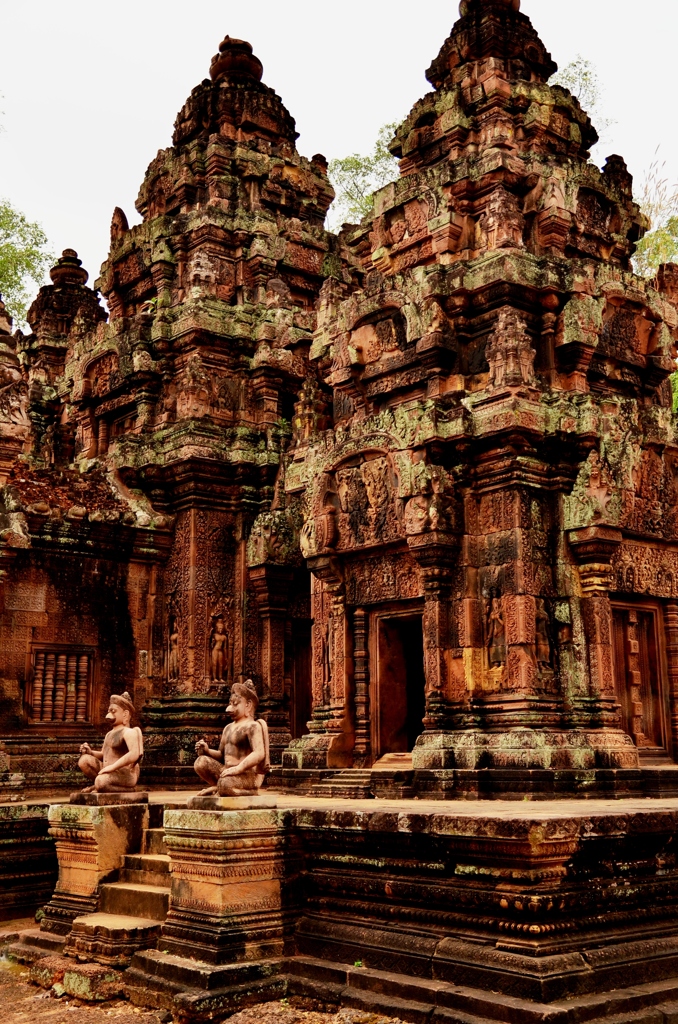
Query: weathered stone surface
[50, 970]
[91, 843]
[92, 982]
[108, 799]
[28, 864]
[456, 417]
[226, 869]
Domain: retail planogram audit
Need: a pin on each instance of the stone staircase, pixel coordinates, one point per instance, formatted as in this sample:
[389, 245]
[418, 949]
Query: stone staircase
[131, 910]
[349, 783]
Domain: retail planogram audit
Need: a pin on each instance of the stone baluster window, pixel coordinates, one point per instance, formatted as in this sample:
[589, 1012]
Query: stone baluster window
[60, 686]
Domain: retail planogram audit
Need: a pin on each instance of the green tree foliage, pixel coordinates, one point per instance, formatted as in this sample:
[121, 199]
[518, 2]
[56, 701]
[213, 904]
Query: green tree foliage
[658, 200]
[580, 77]
[24, 258]
[355, 178]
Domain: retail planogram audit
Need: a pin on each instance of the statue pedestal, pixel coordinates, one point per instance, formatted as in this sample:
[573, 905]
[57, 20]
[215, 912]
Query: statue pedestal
[91, 841]
[232, 803]
[226, 866]
[222, 942]
[108, 799]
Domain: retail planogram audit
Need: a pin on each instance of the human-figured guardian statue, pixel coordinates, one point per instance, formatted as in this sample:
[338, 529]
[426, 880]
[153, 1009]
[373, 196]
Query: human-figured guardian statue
[239, 766]
[115, 768]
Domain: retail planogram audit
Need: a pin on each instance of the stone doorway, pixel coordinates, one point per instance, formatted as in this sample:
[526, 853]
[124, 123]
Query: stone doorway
[641, 677]
[398, 682]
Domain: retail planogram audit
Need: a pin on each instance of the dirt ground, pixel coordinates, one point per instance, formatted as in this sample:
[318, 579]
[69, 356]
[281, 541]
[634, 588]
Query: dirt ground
[23, 1003]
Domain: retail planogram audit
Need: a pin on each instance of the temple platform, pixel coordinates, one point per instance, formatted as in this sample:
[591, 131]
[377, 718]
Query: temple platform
[468, 911]
[402, 781]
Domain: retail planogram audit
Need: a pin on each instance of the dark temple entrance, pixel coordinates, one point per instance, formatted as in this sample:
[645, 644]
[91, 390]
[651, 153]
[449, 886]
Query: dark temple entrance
[398, 684]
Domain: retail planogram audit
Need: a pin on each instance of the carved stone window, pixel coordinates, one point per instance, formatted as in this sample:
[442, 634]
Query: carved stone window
[60, 685]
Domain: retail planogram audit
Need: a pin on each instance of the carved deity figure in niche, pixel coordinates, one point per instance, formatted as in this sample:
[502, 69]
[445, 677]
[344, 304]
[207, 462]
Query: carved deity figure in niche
[173, 651]
[496, 633]
[115, 768]
[502, 222]
[431, 508]
[600, 484]
[509, 351]
[219, 648]
[239, 766]
[542, 630]
[374, 475]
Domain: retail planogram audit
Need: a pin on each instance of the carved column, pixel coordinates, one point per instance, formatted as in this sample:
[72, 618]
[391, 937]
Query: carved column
[593, 548]
[361, 675]
[435, 552]
[102, 437]
[339, 658]
[192, 597]
[671, 628]
[272, 585]
[266, 386]
[331, 739]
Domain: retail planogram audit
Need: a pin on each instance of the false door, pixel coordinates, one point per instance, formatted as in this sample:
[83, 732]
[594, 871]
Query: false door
[640, 677]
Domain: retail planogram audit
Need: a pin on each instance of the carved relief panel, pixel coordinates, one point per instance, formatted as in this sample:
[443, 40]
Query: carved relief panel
[199, 629]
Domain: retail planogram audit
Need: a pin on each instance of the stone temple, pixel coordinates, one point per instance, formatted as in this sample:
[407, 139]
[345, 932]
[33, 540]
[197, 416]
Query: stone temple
[419, 482]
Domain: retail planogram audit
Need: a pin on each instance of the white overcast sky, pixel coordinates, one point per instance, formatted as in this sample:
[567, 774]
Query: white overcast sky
[90, 89]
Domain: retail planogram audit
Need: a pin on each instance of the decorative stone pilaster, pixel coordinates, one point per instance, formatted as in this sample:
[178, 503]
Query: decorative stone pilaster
[272, 585]
[226, 867]
[90, 843]
[331, 739]
[434, 552]
[593, 548]
[361, 676]
[671, 627]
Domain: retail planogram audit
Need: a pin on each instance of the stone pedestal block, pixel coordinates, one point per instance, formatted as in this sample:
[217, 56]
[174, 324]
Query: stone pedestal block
[109, 799]
[91, 842]
[226, 867]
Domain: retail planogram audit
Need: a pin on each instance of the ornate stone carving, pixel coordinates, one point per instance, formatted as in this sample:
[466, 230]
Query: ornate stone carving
[509, 351]
[220, 650]
[496, 633]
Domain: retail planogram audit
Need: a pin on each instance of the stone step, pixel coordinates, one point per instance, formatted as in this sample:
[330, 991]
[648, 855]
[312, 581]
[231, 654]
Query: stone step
[344, 792]
[134, 899]
[146, 869]
[152, 841]
[350, 783]
[34, 944]
[356, 775]
[111, 939]
[176, 971]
